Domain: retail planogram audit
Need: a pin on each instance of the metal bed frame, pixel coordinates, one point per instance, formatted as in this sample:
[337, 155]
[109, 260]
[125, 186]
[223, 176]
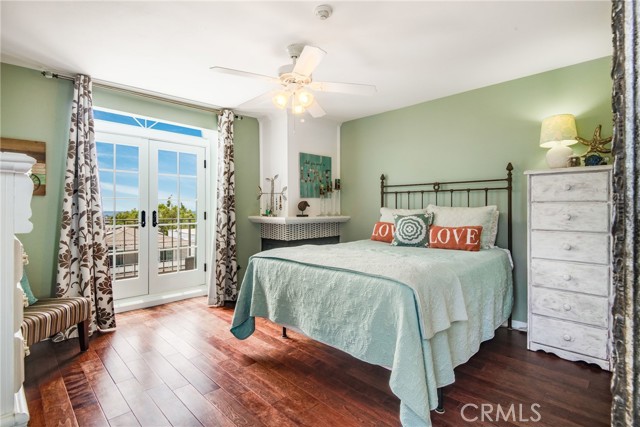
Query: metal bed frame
[448, 190]
[436, 188]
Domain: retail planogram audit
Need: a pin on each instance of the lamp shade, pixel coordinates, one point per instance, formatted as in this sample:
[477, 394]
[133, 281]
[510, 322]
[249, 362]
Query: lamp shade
[559, 130]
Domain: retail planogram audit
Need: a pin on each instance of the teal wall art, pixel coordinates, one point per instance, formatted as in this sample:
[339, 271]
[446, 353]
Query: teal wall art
[315, 174]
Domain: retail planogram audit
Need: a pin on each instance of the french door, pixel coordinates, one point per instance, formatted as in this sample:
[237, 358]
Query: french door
[153, 197]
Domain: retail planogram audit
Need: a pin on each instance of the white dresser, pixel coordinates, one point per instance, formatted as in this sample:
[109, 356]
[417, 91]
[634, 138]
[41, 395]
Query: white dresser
[569, 263]
[15, 210]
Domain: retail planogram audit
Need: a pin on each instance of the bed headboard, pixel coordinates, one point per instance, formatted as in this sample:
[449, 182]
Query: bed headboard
[453, 193]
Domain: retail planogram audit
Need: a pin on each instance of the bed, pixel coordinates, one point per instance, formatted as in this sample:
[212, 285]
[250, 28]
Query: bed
[418, 311]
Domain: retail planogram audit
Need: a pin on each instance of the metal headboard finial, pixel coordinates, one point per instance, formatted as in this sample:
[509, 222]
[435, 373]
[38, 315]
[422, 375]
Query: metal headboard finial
[382, 190]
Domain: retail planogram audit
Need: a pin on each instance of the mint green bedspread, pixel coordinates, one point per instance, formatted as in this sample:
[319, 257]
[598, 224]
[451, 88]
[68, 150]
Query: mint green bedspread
[421, 312]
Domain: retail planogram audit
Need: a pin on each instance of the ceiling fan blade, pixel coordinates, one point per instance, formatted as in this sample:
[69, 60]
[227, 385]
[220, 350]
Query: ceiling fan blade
[308, 60]
[245, 74]
[350, 88]
[258, 100]
[315, 110]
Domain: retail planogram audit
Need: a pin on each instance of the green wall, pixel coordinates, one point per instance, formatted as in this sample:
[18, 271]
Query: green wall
[39, 109]
[471, 135]
[36, 108]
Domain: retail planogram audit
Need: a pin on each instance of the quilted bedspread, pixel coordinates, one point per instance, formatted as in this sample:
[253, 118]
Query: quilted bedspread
[421, 312]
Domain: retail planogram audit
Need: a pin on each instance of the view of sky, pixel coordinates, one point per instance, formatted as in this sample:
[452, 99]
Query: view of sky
[120, 177]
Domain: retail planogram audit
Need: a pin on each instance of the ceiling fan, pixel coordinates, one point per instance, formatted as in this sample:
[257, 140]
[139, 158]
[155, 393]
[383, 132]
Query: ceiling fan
[297, 85]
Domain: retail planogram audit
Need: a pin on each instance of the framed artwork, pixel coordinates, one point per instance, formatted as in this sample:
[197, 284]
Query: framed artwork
[315, 171]
[38, 151]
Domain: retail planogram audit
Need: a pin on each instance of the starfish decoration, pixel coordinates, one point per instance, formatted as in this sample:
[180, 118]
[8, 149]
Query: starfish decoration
[597, 144]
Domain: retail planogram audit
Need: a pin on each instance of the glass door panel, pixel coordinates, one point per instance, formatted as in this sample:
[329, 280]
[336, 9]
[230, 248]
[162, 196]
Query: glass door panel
[122, 169]
[177, 184]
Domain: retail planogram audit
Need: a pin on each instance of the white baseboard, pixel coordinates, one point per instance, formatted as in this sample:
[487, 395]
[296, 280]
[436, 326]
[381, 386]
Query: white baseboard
[145, 301]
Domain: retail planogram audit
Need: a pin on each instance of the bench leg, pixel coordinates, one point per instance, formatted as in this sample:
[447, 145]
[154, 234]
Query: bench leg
[83, 334]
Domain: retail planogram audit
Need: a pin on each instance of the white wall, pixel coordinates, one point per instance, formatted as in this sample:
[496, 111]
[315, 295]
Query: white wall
[314, 136]
[282, 139]
[273, 155]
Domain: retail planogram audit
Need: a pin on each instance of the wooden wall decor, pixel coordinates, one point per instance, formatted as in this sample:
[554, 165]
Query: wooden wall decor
[626, 196]
[35, 149]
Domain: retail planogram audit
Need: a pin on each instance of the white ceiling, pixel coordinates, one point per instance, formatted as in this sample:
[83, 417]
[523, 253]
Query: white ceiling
[412, 51]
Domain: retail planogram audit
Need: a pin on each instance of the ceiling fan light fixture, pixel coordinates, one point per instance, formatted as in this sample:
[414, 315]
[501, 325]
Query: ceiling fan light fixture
[304, 98]
[281, 99]
[296, 82]
[297, 109]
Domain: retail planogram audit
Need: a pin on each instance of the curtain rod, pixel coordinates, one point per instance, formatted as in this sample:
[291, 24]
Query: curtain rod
[50, 75]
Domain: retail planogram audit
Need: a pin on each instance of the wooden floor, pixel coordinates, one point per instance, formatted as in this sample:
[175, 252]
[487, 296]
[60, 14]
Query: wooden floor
[179, 365]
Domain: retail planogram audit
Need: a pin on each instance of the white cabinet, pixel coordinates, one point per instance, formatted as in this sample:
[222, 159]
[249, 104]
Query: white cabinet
[569, 263]
[15, 190]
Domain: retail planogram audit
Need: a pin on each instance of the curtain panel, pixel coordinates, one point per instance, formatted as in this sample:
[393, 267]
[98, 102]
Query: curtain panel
[223, 285]
[83, 260]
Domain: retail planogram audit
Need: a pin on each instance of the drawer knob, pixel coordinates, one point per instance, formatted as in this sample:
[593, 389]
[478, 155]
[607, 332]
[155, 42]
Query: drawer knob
[566, 277]
[567, 307]
[567, 187]
[566, 247]
[566, 337]
[567, 217]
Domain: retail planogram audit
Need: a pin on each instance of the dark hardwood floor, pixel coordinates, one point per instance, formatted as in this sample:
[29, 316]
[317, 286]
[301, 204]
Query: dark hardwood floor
[179, 365]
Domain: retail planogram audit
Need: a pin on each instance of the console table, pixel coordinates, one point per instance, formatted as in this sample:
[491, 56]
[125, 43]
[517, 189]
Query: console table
[277, 232]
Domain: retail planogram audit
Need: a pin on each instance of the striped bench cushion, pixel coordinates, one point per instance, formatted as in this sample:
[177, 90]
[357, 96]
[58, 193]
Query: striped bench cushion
[52, 315]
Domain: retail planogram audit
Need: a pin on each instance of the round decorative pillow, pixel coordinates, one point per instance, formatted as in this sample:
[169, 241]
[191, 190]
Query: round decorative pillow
[412, 230]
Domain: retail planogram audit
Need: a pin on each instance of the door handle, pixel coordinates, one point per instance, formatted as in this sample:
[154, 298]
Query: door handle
[143, 219]
[154, 218]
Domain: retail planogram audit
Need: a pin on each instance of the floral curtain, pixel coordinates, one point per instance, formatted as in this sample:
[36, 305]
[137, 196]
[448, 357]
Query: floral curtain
[83, 261]
[224, 277]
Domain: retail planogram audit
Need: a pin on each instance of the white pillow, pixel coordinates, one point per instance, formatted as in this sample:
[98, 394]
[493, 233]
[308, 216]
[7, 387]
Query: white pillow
[486, 216]
[494, 229]
[386, 214]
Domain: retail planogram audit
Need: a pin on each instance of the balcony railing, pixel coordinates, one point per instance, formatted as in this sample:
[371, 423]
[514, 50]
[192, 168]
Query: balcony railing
[176, 240]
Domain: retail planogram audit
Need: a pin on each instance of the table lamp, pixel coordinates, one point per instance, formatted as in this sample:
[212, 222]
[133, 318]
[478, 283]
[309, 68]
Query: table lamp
[557, 133]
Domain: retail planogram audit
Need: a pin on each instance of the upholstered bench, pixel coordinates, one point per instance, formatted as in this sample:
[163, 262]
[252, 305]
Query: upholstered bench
[49, 316]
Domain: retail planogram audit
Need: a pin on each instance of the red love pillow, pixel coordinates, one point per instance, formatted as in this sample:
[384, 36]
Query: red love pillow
[383, 232]
[461, 238]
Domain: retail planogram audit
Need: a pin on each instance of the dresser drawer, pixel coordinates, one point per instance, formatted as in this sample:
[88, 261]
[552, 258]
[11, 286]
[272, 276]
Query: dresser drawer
[580, 187]
[569, 336]
[569, 276]
[570, 246]
[570, 216]
[588, 309]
